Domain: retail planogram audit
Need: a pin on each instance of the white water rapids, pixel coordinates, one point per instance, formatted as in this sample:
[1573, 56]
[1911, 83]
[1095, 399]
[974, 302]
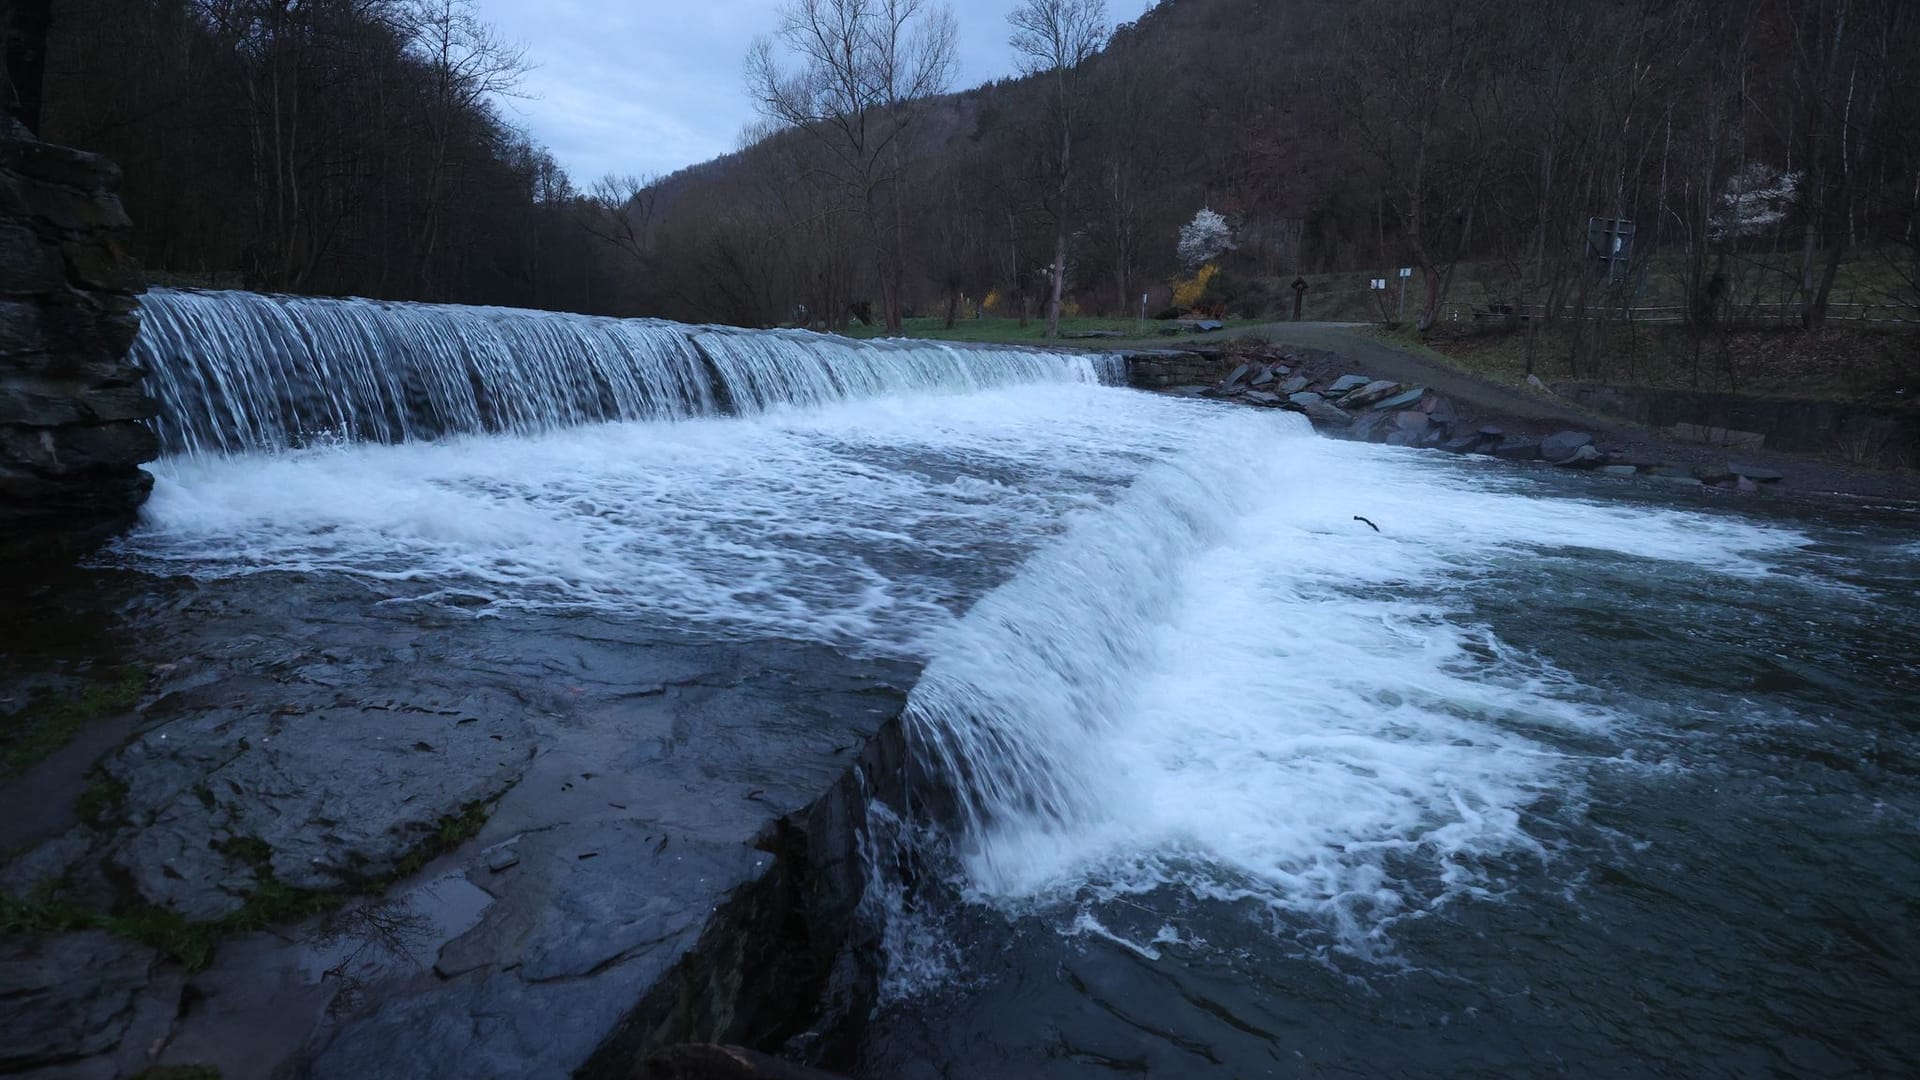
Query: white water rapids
[1160, 651]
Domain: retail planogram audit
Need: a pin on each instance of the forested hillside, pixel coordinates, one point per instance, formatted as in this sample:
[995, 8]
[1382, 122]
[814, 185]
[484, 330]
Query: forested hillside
[332, 146]
[350, 146]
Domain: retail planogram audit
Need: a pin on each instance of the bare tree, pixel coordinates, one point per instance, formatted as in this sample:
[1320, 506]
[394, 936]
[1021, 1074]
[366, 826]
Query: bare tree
[467, 64]
[1053, 39]
[24, 60]
[861, 71]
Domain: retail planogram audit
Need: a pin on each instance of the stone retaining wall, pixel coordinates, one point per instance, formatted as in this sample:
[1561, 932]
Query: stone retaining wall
[1160, 368]
[72, 435]
[1796, 425]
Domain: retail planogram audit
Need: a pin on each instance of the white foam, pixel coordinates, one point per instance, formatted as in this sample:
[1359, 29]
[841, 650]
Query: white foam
[1205, 675]
[862, 524]
[1226, 685]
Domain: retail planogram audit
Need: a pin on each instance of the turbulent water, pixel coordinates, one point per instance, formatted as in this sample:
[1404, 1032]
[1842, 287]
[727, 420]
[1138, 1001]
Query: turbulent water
[240, 371]
[1546, 773]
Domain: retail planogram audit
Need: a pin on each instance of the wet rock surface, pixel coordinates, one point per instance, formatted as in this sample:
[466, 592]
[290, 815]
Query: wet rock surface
[537, 830]
[68, 997]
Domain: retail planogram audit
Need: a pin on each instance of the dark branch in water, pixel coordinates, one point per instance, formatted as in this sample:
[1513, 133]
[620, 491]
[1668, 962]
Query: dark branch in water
[1369, 524]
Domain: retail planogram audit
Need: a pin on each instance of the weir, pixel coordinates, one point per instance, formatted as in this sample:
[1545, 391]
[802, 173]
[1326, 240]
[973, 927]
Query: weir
[239, 371]
[611, 684]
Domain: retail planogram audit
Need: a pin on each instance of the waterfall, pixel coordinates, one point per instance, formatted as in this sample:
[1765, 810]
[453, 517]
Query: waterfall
[237, 371]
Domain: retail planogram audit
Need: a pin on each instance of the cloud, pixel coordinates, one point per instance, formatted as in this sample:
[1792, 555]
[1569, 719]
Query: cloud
[650, 86]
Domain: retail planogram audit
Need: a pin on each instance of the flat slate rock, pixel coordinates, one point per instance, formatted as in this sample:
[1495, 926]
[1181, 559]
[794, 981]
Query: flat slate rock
[333, 795]
[1517, 450]
[1377, 390]
[1561, 445]
[588, 919]
[49, 1014]
[1348, 382]
[1294, 385]
[1326, 413]
[1401, 400]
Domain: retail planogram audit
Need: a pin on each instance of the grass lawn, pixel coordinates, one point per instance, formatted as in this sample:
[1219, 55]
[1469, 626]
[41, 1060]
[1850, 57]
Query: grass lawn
[1844, 362]
[1008, 331]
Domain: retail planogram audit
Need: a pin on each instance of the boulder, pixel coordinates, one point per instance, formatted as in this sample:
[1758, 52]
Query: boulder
[1370, 427]
[1585, 457]
[1261, 397]
[1294, 385]
[1377, 390]
[1492, 432]
[1747, 485]
[1325, 413]
[1440, 407]
[1411, 422]
[1239, 376]
[1561, 444]
[1261, 377]
[1347, 382]
[1464, 444]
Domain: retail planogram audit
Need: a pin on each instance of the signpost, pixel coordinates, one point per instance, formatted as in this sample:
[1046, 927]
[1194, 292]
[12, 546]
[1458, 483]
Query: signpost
[1610, 241]
[1299, 294]
[1405, 273]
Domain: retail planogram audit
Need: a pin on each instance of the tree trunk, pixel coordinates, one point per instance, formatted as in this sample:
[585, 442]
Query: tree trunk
[1059, 276]
[26, 59]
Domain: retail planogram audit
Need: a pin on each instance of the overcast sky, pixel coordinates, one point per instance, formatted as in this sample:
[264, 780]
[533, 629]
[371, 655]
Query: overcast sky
[650, 86]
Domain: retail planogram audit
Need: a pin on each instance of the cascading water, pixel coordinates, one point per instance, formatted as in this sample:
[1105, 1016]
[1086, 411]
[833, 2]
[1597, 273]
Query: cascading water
[237, 371]
[1185, 711]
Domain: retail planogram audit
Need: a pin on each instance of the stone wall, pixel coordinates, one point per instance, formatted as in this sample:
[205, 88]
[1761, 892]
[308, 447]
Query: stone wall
[1885, 434]
[1155, 369]
[71, 407]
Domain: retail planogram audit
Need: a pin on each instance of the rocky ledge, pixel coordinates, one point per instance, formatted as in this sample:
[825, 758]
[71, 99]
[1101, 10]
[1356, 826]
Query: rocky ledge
[476, 869]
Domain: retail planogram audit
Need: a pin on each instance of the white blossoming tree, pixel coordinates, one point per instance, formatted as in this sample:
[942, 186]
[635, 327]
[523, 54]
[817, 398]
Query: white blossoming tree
[1204, 239]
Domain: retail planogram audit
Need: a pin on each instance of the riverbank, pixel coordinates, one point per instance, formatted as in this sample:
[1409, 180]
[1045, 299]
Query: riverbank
[1324, 353]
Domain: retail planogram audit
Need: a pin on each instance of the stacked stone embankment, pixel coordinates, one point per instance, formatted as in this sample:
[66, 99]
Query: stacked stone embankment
[72, 431]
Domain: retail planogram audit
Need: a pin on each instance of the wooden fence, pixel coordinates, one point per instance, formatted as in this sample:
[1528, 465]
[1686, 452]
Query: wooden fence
[1788, 314]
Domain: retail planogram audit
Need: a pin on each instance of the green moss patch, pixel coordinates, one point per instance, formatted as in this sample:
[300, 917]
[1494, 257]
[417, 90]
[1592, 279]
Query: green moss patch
[51, 718]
